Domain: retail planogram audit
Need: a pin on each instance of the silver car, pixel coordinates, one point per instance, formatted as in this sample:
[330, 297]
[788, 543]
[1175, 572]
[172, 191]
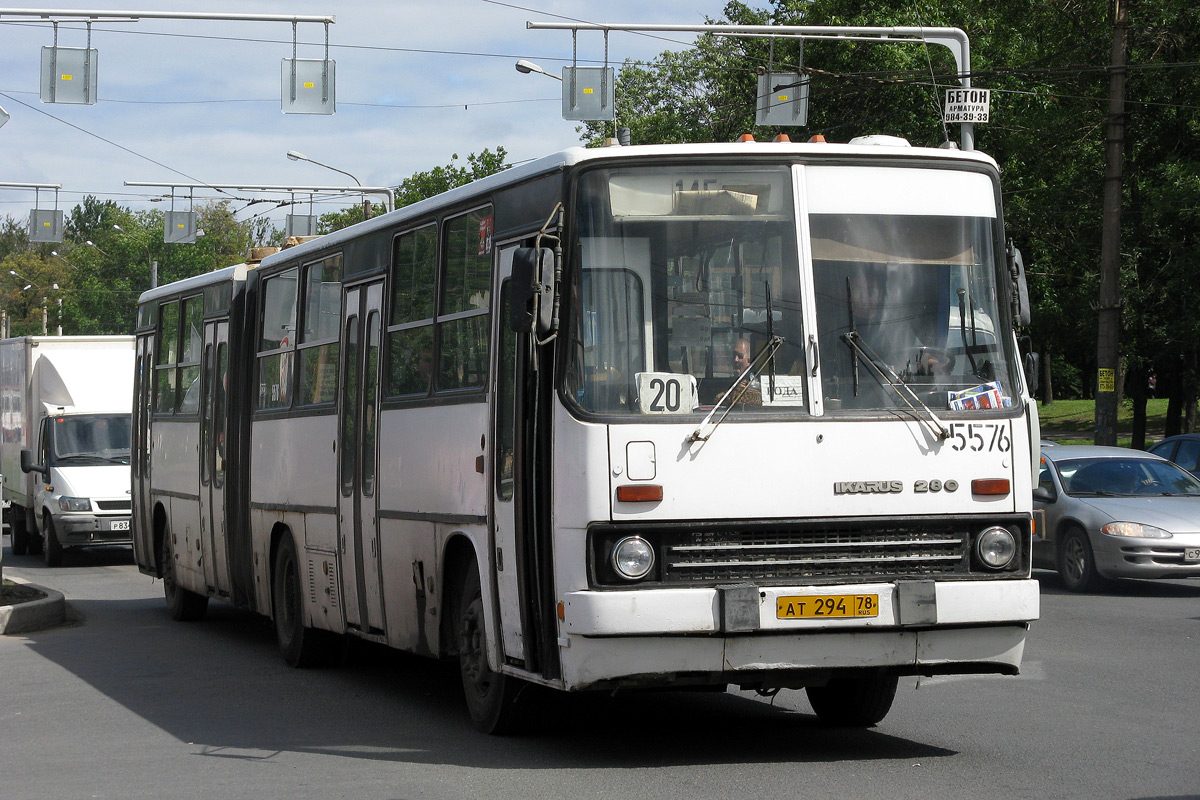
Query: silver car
[1115, 513]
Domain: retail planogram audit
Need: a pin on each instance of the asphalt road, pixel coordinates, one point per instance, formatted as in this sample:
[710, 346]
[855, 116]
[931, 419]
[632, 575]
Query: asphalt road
[124, 703]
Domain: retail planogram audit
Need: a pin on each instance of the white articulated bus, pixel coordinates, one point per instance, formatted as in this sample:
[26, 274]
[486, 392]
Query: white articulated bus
[740, 414]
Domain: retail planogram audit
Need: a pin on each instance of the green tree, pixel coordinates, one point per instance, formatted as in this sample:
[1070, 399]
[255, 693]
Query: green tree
[1046, 63]
[423, 185]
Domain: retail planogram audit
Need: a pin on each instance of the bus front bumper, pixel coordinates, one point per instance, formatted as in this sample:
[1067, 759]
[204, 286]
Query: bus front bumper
[702, 637]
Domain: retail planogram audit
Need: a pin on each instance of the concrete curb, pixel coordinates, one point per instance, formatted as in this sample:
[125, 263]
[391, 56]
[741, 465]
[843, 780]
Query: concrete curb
[35, 615]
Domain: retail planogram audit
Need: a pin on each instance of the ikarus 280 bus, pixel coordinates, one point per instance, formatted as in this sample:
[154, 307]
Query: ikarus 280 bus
[745, 414]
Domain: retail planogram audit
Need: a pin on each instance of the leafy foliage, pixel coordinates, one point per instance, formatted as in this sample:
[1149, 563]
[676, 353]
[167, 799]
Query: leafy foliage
[1046, 64]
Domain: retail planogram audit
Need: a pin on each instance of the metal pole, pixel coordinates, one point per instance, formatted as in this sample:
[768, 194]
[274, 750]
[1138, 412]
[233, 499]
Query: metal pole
[1108, 350]
[955, 39]
[49, 13]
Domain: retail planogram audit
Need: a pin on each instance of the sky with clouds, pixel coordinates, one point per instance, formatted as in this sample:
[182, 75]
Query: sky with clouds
[199, 101]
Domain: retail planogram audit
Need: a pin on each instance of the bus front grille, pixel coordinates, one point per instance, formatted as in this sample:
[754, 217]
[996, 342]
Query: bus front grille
[785, 556]
[798, 551]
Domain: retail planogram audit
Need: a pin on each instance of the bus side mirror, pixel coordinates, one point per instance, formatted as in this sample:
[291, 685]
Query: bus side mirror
[1016, 267]
[531, 291]
[1032, 376]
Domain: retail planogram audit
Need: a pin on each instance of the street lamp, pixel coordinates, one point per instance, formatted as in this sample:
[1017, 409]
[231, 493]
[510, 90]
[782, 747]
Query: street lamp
[149, 260]
[526, 67]
[31, 285]
[294, 156]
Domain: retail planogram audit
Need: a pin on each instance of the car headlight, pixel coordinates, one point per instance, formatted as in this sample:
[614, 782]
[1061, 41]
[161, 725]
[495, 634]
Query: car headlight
[633, 558]
[1135, 529]
[996, 547]
[74, 504]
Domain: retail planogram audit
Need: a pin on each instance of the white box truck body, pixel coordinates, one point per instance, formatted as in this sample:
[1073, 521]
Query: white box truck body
[65, 414]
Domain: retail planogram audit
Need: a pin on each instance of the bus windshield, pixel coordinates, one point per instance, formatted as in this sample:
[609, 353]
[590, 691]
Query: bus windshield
[686, 274]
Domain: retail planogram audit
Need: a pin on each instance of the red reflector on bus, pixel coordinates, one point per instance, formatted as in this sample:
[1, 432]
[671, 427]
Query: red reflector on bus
[640, 493]
[990, 486]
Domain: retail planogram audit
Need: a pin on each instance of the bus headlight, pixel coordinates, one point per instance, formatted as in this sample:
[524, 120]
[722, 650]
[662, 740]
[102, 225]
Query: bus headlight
[74, 504]
[996, 547]
[633, 558]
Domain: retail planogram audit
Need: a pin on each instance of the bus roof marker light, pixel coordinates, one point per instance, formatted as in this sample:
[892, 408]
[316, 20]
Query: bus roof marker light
[747, 137]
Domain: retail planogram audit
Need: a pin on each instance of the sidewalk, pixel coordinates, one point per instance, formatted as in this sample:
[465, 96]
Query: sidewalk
[33, 615]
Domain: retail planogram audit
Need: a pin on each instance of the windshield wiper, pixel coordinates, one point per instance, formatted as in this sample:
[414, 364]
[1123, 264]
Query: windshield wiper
[889, 378]
[740, 386]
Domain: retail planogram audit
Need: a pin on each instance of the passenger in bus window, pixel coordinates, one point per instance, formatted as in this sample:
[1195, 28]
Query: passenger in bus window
[745, 393]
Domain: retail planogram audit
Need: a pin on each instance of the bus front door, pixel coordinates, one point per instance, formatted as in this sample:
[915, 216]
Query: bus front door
[520, 510]
[358, 529]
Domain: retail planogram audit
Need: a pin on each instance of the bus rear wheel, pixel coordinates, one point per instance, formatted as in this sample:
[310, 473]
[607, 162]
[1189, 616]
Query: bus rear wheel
[182, 604]
[858, 702]
[492, 697]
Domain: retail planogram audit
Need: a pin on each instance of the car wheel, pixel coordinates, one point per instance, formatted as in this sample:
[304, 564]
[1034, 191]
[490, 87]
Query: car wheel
[853, 702]
[18, 531]
[182, 604]
[53, 548]
[493, 699]
[1077, 563]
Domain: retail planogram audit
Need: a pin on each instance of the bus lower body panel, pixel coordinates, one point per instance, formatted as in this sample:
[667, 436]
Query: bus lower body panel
[742, 635]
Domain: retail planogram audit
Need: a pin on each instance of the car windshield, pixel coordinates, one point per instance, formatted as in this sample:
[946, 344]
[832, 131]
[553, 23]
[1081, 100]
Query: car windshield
[94, 439]
[1124, 477]
[684, 274]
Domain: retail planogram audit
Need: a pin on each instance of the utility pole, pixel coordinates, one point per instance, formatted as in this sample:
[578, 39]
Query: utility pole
[1109, 306]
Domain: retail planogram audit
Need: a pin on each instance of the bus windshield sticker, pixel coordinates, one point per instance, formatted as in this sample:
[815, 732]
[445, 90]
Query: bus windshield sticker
[788, 390]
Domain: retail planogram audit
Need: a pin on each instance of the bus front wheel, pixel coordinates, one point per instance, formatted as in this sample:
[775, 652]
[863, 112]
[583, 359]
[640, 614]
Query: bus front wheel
[183, 605]
[858, 702]
[492, 698]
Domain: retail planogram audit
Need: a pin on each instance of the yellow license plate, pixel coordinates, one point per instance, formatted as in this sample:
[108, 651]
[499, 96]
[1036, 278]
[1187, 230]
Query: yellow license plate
[827, 606]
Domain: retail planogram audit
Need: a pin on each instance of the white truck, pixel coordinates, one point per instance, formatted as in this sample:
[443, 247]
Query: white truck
[65, 416]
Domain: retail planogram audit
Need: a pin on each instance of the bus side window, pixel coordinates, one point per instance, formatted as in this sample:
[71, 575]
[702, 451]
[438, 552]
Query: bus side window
[318, 346]
[464, 315]
[410, 331]
[168, 354]
[277, 341]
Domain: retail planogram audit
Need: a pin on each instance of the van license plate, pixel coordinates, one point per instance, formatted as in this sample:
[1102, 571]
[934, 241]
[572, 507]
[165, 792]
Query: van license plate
[119, 525]
[824, 606]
